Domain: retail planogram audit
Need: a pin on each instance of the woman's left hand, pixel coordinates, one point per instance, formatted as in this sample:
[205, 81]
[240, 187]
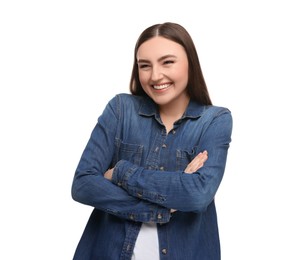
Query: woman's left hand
[108, 174]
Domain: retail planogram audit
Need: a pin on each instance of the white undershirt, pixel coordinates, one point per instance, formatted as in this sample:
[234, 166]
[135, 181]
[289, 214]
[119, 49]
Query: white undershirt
[146, 246]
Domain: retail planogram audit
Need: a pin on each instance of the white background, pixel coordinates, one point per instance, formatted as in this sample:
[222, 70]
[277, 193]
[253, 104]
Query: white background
[61, 61]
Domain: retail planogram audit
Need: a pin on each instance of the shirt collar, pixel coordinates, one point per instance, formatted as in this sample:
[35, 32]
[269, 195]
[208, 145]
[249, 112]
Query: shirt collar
[149, 108]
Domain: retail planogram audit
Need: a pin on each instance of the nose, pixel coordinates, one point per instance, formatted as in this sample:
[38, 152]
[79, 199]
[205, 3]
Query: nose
[156, 74]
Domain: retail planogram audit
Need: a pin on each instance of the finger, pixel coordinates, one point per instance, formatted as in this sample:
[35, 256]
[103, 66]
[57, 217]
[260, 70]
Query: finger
[197, 162]
[199, 159]
[192, 167]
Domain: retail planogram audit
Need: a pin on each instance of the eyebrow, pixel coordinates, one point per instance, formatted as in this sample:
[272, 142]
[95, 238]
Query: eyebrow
[160, 59]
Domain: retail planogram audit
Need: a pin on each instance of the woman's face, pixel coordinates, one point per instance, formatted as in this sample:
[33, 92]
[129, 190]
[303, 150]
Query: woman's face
[163, 71]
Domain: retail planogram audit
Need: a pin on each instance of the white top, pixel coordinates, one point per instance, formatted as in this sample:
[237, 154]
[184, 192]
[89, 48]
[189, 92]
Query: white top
[146, 246]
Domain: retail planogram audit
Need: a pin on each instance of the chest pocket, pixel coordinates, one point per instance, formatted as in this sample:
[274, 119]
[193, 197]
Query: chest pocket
[184, 157]
[129, 152]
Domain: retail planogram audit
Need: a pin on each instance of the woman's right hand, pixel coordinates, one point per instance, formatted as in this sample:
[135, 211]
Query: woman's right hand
[196, 163]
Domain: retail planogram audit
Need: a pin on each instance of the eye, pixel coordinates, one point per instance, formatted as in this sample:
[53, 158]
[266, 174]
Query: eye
[143, 65]
[167, 62]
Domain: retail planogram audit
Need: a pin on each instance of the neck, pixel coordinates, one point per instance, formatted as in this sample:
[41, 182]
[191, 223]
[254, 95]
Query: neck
[170, 113]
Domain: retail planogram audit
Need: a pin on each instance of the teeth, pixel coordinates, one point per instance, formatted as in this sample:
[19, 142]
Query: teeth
[161, 86]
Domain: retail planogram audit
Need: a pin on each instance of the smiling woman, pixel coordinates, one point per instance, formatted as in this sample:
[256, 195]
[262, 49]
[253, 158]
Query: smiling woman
[163, 74]
[155, 159]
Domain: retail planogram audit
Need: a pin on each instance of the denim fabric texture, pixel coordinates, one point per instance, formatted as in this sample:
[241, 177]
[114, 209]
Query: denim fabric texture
[149, 180]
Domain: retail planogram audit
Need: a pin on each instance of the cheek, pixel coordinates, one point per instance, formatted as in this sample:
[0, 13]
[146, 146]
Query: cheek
[181, 74]
[142, 78]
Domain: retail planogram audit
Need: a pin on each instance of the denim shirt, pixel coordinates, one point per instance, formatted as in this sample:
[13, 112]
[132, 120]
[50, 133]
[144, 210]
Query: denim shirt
[149, 180]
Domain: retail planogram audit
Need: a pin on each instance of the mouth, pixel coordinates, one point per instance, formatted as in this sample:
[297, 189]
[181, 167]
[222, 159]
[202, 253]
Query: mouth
[162, 86]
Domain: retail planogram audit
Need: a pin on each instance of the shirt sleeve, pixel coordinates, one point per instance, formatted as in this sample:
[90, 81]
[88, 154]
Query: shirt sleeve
[178, 190]
[91, 188]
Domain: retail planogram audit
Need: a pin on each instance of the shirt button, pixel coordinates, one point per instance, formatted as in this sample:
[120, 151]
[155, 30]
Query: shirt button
[139, 195]
[173, 131]
[161, 168]
[164, 145]
[164, 251]
[159, 216]
[131, 216]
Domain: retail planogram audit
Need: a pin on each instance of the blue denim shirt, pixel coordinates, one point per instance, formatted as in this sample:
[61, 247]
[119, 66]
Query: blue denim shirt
[149, 180]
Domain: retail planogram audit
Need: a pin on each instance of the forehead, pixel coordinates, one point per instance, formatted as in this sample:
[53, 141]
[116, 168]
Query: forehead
[157, 47]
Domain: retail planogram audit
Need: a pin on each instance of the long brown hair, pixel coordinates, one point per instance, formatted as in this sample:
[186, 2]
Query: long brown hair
[196, 86]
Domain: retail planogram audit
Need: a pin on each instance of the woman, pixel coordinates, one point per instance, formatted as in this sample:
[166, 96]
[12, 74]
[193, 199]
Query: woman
[155, 159]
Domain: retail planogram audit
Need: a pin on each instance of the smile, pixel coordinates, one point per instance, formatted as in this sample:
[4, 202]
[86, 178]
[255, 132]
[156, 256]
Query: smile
[161, 86]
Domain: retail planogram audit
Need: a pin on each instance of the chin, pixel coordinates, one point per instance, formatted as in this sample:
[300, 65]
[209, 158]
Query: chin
[161, 101]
